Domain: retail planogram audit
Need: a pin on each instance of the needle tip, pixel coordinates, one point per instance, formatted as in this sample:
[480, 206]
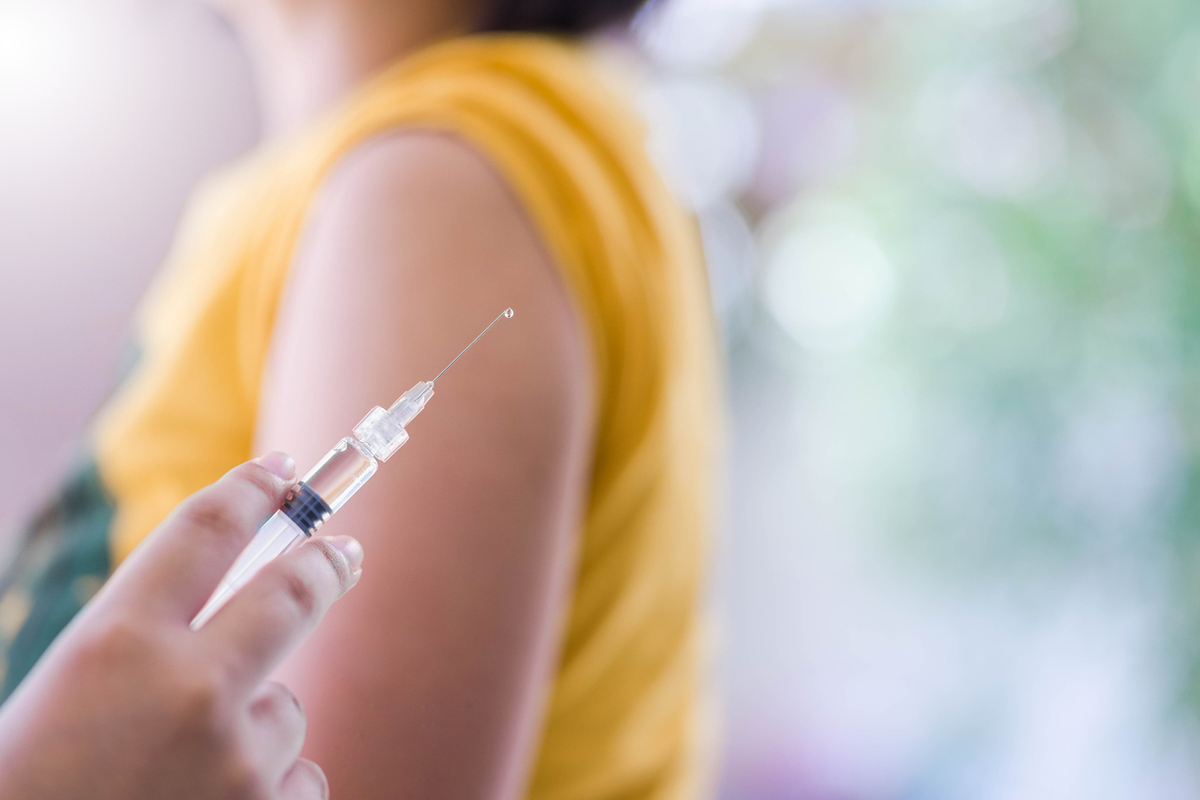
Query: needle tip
[507, 314]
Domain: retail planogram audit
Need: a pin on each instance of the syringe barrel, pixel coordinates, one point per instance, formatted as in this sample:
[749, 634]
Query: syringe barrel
[326, 488]
[340, 474]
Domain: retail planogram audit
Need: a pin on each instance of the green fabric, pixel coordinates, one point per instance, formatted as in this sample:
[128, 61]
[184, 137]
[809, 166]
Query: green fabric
[63, 562]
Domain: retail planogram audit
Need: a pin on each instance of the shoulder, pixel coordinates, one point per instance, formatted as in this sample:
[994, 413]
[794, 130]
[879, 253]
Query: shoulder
[413, 243]
[425, 206]
[425, 176]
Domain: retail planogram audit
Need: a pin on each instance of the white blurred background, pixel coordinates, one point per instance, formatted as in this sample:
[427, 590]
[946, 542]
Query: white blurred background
[953, 247]
[109, 112]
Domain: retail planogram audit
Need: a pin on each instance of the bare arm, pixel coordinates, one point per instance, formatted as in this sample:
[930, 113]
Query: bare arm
[429, 680]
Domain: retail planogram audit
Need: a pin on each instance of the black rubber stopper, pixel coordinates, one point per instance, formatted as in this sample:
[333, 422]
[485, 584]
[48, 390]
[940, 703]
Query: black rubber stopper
[305, 507]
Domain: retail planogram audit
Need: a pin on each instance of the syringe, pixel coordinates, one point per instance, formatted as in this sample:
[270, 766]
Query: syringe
[327, 486]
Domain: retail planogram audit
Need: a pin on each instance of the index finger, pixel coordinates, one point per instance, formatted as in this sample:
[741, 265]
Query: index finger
[281, 605]
[180, 563]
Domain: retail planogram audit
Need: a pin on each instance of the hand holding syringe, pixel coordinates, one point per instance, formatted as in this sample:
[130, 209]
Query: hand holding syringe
[329, 484]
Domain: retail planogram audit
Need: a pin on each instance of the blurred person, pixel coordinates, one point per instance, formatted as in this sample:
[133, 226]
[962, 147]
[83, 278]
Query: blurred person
[533, 626]
[131, 704]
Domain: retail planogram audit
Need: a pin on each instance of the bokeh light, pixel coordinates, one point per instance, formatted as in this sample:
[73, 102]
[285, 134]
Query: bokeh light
[827, 281]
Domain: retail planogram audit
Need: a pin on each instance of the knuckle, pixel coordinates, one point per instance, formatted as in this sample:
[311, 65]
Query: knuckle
[259, 479]
[209, 512]
[202, 718]
[300, 593]
[201, 708]
[120, 642]
[282, 703]
[333, 563]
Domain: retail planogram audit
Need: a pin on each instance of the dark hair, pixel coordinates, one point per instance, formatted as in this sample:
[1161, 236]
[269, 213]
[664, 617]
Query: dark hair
[560, 16]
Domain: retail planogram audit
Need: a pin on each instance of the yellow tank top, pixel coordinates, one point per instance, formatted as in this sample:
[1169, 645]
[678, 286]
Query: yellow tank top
[625, 714]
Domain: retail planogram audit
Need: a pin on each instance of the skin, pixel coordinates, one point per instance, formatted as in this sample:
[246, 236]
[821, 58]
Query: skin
[131, 704]
[430, 682]
[308, 54]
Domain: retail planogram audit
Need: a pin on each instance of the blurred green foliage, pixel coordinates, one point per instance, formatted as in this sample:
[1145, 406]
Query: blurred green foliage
[1032, 170]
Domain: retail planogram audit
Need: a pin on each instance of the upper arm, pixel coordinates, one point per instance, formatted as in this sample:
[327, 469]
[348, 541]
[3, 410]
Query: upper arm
[427, 680]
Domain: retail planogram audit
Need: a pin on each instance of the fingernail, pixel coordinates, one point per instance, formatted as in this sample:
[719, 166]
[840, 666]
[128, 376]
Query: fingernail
[351, 549]
[279, 464]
